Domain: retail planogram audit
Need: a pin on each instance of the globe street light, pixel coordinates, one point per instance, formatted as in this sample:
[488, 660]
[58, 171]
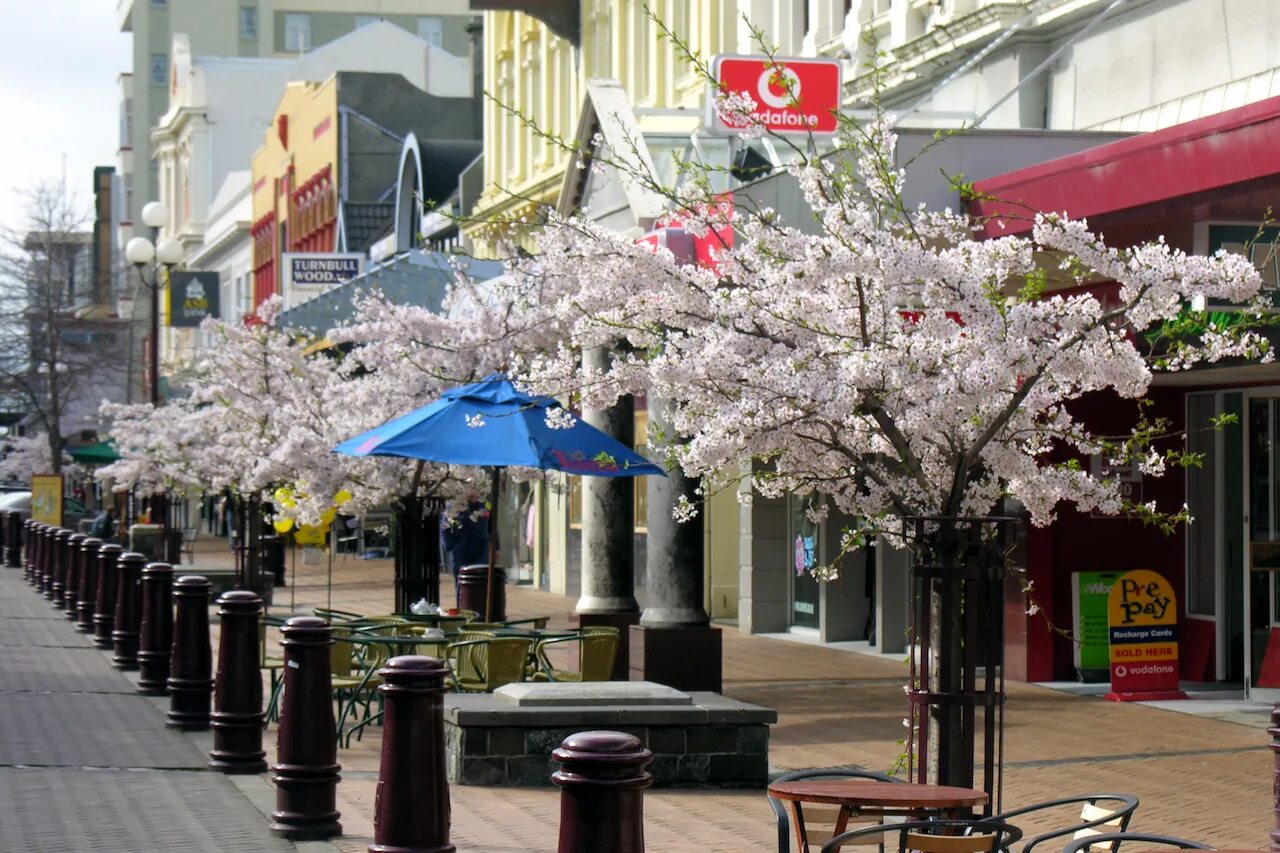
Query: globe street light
[142, 253]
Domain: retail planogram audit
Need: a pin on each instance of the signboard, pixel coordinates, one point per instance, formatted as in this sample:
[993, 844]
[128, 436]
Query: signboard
[1142, 617]
[1089, 596]
[308, 274]
[46, 498]
[791, 95]
[193, 296]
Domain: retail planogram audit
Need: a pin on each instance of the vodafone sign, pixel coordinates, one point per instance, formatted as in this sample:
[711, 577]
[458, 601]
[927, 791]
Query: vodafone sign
[791, 95]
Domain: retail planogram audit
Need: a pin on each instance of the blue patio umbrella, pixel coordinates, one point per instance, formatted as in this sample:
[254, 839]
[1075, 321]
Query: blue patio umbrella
[491, 424]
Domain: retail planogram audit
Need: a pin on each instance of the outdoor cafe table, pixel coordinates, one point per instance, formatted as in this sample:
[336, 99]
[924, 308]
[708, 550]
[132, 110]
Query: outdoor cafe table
[867, 797]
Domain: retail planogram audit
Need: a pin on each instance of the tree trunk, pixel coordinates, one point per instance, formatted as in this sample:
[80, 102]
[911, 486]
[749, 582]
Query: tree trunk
[957, 668]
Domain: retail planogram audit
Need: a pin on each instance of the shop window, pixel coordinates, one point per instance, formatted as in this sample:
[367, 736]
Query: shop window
[431, 30]
[159, 69]
[297, 32]
[248, 23]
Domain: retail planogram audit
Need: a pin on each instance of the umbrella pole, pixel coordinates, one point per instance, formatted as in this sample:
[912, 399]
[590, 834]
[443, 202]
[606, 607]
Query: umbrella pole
[493, 542]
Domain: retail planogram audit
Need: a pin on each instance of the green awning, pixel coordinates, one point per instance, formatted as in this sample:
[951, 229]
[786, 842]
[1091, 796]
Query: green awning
[100, 453]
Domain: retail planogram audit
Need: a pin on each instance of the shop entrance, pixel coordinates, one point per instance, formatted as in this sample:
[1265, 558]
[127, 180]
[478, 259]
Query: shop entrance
[1262, 547]
[805, 549]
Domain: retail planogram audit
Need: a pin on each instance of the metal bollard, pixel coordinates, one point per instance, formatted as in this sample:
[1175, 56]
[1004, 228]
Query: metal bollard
[41, 546]
[104, 601]
[71, 587]
[602, 780]
[411, 811]
[13, 541]
[155, 635]
[87, 592]
[128, 619]
[62, 548]
[306, 768]
[238, 718]
[29, 529]
[191, 665]
[43, 582]
[1274, 731]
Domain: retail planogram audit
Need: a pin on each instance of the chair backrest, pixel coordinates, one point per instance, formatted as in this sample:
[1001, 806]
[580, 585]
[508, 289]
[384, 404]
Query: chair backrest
[342, 652]
[979, 835]
[1098, 813]
[1113, 840]
[597, 650]
[819, 820]
[505, 659]
[188, 534]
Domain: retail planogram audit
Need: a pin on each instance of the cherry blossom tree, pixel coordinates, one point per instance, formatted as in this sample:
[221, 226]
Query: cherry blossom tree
[27, 455]
[884, 359]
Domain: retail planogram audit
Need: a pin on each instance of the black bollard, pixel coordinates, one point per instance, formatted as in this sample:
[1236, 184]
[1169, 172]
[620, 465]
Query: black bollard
[412, 803]
[87, 593]
[13, 540]
[155, 635]
[28, 529]
[306, 768]
[128, 619]
[41, 546]
[238, 718]
[191, 665]
[61, 549]
[32, 561]
[104, 602]
[71, 588]
[602, 778]
[49, 560]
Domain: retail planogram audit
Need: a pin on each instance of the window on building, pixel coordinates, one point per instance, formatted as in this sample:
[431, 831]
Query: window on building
[366, 20]
[159, 2]
[248, 22]
[431, 30]
[126, 123]
[159, 69]
[297, 32]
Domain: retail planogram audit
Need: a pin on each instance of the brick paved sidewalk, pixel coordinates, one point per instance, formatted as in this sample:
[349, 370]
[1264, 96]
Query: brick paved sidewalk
[86, 764]
[1197, 777]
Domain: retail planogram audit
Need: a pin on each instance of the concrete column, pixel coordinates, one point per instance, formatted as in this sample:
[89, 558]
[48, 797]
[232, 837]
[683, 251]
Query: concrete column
[673, 571]
[608, 513]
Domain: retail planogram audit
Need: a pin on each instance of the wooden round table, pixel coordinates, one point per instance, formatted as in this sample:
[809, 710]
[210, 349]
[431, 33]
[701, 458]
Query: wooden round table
[868, 797]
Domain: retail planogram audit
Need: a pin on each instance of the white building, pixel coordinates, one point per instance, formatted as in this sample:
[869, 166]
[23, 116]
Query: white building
[219, 110]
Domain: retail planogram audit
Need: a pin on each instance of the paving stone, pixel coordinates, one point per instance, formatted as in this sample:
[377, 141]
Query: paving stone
[61, 669]
[64, 809]
[54, 632]
[90, 730]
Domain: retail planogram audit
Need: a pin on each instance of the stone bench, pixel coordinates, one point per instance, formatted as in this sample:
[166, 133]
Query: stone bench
[698, 739]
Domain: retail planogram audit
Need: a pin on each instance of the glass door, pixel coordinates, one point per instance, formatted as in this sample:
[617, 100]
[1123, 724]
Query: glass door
[805, 553]
[1262, 523]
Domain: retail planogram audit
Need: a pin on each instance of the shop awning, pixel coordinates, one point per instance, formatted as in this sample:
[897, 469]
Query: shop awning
[414, 278]
[95, 454]
[1228, 153]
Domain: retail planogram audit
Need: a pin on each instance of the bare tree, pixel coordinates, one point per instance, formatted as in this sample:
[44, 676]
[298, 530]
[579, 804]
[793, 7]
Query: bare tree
[61, 348]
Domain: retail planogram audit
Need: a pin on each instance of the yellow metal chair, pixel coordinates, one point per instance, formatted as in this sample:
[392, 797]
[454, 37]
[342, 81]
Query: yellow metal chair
[484, 664]
[597, 649]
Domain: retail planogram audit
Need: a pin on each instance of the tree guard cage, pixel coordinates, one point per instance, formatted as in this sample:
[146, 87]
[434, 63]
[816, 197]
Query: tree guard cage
[417, 551]
[957, 651]
[248, 543]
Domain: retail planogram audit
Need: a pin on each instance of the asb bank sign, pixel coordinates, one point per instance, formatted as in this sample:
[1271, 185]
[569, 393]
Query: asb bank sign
[308, 274]
[791, 95]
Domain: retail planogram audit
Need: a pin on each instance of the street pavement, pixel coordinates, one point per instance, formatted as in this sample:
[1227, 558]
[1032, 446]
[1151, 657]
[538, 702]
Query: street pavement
[86, 763]
[1200, 777]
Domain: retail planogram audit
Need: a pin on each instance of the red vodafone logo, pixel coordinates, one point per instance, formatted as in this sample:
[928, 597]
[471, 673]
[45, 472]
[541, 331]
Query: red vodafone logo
[791, 95]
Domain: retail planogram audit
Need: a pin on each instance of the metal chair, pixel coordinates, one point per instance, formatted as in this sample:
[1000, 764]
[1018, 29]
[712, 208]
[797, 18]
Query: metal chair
[980, 835]
[1099, 813]
[597, 648]
[1114, 838]
[484, 664]
[823, 817]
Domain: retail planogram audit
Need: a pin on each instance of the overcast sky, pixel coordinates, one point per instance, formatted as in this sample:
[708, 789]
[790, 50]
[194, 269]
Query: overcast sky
[59, 60]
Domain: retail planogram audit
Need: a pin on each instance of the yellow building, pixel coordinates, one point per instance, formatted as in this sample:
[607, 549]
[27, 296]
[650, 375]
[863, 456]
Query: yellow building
[624, 78]
[324, 177]
[532, 70]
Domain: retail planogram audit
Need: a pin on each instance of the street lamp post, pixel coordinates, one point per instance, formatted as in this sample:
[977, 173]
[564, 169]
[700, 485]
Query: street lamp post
[142, 253]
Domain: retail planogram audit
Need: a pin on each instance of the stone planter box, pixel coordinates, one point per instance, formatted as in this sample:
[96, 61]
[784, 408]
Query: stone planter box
[698, 739]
